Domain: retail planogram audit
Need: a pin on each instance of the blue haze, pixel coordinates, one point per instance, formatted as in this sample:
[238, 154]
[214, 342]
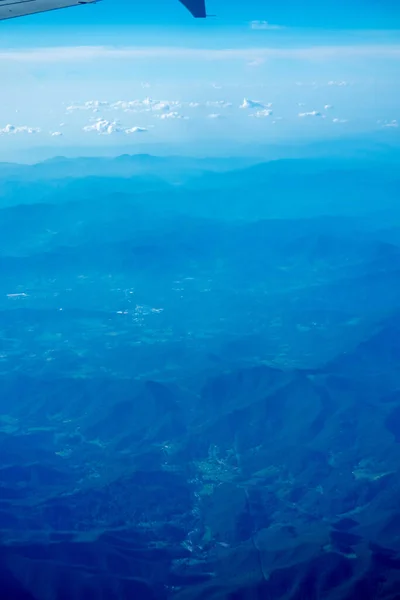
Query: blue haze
[200, 303]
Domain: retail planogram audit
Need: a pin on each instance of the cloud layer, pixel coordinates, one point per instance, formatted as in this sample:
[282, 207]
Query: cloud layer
[249, 104]
[139, 115]
[264, 26]
[90, 53]
[14, 130]
[105, 127]
[312, 113]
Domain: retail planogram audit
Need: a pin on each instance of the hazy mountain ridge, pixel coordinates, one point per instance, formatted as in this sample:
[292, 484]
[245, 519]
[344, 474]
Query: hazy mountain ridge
[198, 399]
[267, 187]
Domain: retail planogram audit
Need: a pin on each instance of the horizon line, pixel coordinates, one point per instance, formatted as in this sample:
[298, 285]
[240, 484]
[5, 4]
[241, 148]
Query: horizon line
[54, 54]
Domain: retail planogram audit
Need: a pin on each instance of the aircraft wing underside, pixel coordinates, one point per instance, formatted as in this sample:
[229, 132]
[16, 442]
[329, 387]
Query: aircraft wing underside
[19, 8]
[196, 7]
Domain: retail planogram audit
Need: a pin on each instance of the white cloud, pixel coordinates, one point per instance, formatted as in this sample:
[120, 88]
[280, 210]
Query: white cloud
[129, 105]
[126, 105]
[162, 109]
[161, 106]
[264, 26]
[339, 120]
[262, 114]
[136, 130]
[93, 105]
[103, 127]
[215, 116]
[13, 130]
[56, 134]
[171, 115]
[254, 104]
[313, 113]
[393, 124]
[338, 83]
[146, 105]
[328, 107]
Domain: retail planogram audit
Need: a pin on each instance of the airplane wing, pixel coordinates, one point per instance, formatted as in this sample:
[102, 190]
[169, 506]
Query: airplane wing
[19, 8]
[196, 7]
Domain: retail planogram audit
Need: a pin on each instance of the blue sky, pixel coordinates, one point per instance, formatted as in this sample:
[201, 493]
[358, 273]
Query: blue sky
[330, 14]
[123, 71]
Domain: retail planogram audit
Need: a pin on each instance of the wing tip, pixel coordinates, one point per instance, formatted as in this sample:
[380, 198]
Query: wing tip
[197, 8]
